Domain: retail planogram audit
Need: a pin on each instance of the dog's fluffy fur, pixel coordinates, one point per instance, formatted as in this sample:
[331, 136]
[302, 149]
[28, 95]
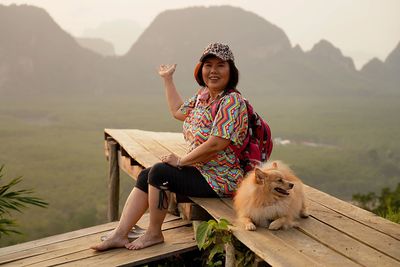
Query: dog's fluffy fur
[270, 196]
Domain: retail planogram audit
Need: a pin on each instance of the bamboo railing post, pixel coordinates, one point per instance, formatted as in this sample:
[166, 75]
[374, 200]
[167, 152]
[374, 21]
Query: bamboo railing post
[113, 181]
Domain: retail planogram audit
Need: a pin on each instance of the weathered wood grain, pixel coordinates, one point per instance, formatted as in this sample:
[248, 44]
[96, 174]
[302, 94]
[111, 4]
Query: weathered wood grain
[362, 233]
[177, 240]
[45, 245]
[73, 249]
[134, 149]
[344, 244]
[172, 141]
[113, 181]
[355, 213]
[125, 165]
[148, 142]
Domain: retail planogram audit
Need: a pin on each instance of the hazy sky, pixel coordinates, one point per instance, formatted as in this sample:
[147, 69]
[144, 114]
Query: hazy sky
[362, 29]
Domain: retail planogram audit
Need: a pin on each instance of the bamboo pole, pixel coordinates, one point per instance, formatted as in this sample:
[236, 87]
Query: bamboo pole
[113, 181]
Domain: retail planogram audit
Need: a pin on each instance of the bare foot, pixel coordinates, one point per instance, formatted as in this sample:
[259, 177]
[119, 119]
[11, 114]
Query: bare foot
[146, 240]
[111, 242]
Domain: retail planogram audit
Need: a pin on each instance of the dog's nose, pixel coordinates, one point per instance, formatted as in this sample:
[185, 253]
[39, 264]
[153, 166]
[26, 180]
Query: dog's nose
[291, 185]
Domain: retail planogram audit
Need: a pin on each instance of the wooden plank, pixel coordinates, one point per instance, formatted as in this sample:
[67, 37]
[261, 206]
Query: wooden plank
[279, 253]
[177, 240]
[81, 249]
[6, 251]
[148, 142]
[313, 249]
[172, 141]
[177, 139]
[41, 246]
[58, 252]
[113, 181]
[125, 165]
[381, 242]
[344, 244]
[174, 136]
[355, 213]
[82, 256]
[135, 150]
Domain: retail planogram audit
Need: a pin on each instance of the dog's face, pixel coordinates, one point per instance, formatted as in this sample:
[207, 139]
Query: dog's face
[273, 182]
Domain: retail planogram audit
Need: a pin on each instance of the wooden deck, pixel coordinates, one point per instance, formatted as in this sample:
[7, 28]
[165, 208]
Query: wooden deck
[72, 249]
[336, 234]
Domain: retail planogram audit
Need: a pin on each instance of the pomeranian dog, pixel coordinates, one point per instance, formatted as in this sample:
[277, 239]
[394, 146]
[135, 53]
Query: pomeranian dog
[270, 196]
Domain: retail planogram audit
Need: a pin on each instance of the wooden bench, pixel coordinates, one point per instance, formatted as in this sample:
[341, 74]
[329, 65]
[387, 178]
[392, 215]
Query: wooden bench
[336, 234]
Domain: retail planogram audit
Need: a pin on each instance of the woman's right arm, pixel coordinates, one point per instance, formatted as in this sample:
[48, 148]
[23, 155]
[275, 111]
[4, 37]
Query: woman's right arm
[173, 98]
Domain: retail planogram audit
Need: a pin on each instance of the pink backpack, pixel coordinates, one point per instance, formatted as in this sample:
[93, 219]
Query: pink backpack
[257, 146]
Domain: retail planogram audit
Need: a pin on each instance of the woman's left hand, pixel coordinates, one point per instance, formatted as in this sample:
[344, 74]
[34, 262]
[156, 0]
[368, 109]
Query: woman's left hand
[166, 70]
[170, 159]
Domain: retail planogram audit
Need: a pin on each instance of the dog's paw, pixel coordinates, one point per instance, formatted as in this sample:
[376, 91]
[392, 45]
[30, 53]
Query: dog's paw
[293, 224]
[250, 227]
[304, 214]
[275, 225]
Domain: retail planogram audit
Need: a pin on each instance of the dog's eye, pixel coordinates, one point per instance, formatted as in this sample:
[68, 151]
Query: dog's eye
[280, 180]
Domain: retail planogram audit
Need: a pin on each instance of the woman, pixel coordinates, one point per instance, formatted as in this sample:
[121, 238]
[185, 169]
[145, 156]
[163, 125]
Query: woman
[211, 168]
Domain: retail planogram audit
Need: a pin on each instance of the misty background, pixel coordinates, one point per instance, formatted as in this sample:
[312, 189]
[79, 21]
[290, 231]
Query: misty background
[334, 121]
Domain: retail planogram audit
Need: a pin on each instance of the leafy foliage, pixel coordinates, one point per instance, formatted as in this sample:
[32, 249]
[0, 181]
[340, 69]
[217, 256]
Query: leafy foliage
[386, 205]
[14, 200]
[212, 236]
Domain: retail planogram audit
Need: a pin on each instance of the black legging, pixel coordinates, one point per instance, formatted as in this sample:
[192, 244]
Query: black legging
[187, 182]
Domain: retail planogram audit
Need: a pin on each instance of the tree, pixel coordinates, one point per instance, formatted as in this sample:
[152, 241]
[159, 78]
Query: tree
[14, 200]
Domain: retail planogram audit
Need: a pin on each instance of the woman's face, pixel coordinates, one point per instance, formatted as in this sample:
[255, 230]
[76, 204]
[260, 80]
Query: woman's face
[215, 73]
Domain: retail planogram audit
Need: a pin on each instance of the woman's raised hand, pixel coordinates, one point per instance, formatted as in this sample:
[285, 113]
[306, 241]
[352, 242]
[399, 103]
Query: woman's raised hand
[166, 70]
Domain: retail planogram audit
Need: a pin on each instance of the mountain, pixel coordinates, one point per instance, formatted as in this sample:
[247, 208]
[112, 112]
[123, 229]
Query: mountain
[393, 60]
[265, 57]
[37, 57]
[180, 36]
[97, 45]
[384, 74]
[121, 33]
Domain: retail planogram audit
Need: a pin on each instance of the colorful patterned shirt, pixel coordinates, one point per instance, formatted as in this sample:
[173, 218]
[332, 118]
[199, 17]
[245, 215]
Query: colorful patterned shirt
[222, 172]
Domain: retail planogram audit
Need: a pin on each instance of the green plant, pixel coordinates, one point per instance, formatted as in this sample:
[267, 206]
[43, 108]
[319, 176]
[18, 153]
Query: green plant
[213, 237]
[243, 255]
[386, 205]
[14, 200]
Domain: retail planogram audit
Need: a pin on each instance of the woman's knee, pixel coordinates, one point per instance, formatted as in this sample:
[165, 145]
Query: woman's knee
[142, 180]
[158, 174]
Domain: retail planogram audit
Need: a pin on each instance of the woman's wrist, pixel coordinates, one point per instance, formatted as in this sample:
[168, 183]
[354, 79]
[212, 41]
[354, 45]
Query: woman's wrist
[168, 79]
[178, 164]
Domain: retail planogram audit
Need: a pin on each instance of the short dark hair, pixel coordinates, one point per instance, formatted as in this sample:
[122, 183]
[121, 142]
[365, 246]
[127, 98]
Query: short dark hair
[233, 75]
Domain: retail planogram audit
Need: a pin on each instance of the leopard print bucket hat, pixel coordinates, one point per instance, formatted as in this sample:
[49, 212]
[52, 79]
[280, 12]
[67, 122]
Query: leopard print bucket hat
[219, 50]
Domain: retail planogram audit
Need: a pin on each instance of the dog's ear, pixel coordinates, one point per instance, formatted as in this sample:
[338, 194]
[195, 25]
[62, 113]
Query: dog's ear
[275, 165]
[260, 176]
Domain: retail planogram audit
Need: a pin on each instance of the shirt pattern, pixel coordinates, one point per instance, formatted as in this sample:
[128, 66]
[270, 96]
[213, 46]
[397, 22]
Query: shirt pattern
[222, 172]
